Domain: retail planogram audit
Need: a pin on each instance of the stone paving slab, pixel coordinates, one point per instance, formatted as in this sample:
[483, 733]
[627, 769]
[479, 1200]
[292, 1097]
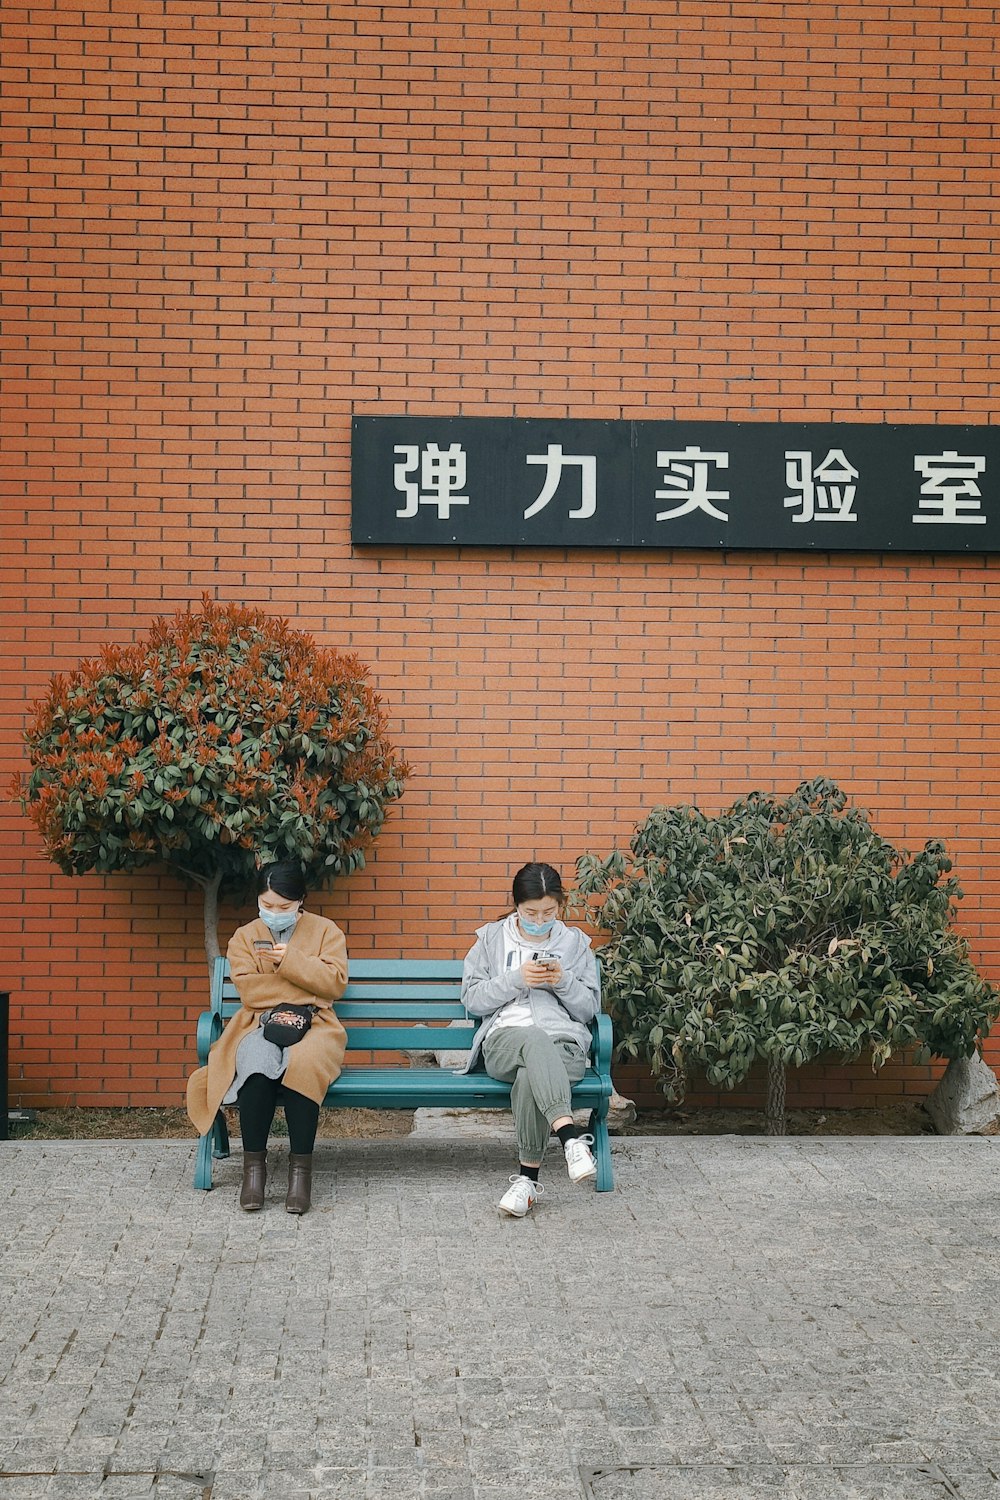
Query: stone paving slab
[466, 1125]
[805, 1319]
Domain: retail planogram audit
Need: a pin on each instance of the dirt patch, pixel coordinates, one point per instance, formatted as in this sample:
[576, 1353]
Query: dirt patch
[373, 1124]
[892, 1119]
[173, 1124]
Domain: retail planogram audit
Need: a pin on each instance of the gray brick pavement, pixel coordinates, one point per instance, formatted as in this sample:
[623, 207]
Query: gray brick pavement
[808, 1319]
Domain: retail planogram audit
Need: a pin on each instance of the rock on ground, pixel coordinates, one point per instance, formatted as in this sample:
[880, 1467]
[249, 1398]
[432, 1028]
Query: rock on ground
[967, 1100]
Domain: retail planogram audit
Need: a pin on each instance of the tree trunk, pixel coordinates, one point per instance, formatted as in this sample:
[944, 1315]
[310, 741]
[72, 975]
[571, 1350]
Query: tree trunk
[775, 1096]
[211, 889]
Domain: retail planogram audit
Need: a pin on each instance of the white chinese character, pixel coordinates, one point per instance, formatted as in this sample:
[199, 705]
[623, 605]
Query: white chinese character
[947, 476]
[690, 483]
[442, 475]
[555, 461]
[826, 492]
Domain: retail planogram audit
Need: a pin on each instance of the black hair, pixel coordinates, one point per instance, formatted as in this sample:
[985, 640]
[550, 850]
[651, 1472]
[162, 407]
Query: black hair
[285, 878]
[534, 881]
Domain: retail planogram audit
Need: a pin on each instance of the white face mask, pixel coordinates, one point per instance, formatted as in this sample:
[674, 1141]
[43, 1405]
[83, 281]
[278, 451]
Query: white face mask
[278, 921]
[537, 929]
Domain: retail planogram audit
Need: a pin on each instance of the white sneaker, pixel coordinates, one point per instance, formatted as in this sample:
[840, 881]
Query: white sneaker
[580, 1161]
[521, 1196]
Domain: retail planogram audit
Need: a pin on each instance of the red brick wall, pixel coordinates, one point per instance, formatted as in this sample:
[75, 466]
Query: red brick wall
[232, 224]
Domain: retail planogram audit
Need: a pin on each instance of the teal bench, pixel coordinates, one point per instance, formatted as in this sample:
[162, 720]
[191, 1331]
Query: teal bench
[388, 1006]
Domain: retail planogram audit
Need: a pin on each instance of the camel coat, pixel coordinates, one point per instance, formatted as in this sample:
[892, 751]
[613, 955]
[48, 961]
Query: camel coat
[312, 972]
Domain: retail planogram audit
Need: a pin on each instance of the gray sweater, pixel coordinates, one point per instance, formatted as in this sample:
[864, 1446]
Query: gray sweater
[562, 1010]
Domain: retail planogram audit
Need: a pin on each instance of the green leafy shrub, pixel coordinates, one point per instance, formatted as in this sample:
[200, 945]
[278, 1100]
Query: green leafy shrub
[223, 741]
[780, 931]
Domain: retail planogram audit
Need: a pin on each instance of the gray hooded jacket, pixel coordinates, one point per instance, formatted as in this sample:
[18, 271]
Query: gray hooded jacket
[562, 1010]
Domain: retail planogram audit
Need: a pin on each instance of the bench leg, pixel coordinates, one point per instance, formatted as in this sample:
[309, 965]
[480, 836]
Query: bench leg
[602, 1151]
[214, 1144]
[203, 1163]
[220, 1132]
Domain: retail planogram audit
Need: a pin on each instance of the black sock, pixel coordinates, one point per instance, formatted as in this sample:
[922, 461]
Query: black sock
[530, 1172]
[567, 1133]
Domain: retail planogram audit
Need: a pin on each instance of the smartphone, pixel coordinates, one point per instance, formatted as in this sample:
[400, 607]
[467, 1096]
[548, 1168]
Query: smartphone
[262, 945]
[544, 957]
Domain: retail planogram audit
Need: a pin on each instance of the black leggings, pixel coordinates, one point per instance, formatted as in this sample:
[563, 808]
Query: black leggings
[257, 1101]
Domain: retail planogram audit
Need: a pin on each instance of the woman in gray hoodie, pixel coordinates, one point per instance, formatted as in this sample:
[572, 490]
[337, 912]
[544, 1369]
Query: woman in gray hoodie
[534, 980]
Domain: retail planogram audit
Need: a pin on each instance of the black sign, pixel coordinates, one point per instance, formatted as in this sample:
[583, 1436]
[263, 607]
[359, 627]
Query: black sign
[529, 481]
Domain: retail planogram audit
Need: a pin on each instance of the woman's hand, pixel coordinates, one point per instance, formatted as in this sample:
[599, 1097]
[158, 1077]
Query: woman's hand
[278, 952]
[537, 976]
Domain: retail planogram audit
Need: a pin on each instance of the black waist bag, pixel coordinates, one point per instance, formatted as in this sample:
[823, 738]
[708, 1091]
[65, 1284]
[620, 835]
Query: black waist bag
[287, 1024]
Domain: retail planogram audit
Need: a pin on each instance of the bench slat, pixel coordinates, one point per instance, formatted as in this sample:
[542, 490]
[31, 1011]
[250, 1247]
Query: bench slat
[398, 1010]
[414, 991]
[435, 1088]
[447, 996]
[415, 1015]
[409, 1038]
[405, 968]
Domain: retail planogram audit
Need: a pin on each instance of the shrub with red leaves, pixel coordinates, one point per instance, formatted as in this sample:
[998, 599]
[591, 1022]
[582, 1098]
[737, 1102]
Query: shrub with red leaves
[223, 741]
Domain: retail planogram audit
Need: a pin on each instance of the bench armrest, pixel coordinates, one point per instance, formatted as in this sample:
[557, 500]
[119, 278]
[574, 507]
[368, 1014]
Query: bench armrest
[209, 1031]
[602, 1045]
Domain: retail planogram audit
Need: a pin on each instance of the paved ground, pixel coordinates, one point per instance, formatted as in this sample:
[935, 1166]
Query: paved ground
[808, 1319]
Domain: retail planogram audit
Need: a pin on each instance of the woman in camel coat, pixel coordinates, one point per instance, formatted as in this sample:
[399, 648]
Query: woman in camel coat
[284, 957]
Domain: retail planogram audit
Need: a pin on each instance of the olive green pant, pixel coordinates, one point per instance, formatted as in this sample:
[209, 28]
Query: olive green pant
[540, 1071]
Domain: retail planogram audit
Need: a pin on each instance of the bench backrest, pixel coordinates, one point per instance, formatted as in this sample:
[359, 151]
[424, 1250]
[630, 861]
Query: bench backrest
[409, 991]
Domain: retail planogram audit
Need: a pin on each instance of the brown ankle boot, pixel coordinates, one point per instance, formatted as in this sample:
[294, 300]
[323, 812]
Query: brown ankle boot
[299, 1196]
[254, 1178]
